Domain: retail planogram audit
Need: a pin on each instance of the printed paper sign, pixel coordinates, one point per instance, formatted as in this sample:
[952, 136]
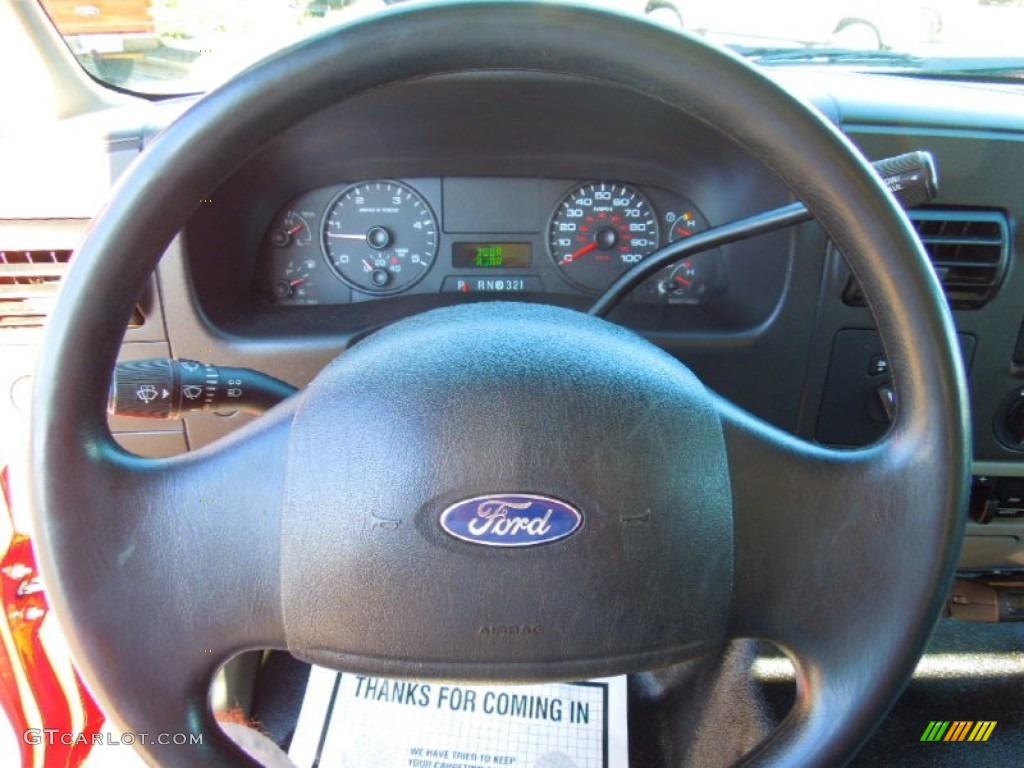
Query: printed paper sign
[357, 721]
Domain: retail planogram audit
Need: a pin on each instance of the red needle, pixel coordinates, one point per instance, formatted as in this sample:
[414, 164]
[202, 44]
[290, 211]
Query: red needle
[298, 281]
[683, 280]
[295, 230]
[580, 253]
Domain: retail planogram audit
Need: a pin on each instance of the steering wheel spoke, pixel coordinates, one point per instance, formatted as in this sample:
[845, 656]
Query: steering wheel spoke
[830, 545]
[178, 554]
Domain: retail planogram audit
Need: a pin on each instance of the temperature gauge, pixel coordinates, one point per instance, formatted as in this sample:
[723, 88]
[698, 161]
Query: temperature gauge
[291, 229]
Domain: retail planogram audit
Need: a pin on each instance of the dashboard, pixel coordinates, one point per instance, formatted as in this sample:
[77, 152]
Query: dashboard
[359, 216]
[362, 215]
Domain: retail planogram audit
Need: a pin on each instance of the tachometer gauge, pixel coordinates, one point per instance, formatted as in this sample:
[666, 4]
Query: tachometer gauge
[599, 231]
[380, 236]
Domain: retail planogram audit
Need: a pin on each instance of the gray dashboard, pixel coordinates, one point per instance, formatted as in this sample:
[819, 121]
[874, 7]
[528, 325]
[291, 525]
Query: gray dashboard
[493, 158]
[493, 164]
[778, 334]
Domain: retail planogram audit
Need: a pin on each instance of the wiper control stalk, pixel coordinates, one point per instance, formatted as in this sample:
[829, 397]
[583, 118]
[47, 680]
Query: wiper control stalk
[169, 389]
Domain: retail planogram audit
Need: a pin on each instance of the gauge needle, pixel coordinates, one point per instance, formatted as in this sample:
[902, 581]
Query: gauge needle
[346, 237]
[368, 265]
[580, 253]
[296, 229]
[298, 281]
[683, 280]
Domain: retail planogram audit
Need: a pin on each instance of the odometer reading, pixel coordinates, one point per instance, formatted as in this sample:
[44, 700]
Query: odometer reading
[599, 231]
[380, 236]
[491, 255]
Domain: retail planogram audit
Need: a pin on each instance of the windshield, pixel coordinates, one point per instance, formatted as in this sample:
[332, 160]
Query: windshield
[164, 47]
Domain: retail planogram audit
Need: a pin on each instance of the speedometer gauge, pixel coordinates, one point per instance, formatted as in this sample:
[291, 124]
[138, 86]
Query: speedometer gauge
[380, 236]
[600, 230]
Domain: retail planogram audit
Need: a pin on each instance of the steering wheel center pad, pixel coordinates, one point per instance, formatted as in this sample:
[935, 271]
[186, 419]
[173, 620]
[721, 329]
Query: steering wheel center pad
[494, 398]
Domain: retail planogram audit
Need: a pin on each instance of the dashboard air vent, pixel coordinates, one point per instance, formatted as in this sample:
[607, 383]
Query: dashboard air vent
[969, 250]
[28, 286]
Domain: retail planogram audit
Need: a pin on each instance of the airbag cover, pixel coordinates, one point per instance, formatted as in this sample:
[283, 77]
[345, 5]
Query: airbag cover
[505, 401]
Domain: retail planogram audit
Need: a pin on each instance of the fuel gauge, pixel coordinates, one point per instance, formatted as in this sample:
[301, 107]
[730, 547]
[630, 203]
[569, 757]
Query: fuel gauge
[294, 283]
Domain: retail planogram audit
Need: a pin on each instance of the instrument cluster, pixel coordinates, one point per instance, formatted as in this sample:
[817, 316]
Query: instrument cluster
[369, 239]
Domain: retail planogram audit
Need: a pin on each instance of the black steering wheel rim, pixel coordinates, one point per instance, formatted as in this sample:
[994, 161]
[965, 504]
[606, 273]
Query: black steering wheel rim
[919, 471]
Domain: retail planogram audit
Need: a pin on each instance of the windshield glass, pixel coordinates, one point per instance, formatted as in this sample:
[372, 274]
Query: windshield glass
[165, 47]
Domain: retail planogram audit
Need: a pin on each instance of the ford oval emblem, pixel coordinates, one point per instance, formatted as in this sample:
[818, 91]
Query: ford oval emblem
[511, 520]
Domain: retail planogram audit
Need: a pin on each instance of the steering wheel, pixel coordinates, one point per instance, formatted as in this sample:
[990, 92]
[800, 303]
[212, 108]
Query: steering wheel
[700, 523]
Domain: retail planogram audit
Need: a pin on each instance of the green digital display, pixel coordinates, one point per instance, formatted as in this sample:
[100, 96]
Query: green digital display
[491, 255]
